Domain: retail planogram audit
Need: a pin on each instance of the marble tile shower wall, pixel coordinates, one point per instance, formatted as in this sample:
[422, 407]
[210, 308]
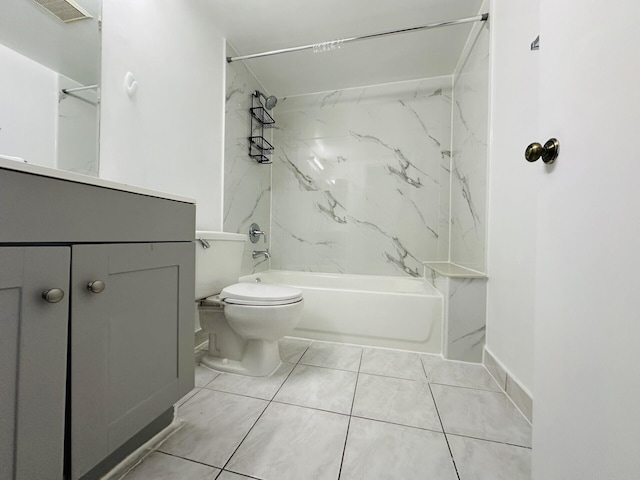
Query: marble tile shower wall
[469, 157]
[361, 179]
[247, 184]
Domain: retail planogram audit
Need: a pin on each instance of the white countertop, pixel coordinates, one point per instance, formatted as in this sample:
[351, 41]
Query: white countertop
[87, 180]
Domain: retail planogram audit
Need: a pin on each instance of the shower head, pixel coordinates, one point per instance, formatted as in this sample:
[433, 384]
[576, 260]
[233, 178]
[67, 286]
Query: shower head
[269, 102]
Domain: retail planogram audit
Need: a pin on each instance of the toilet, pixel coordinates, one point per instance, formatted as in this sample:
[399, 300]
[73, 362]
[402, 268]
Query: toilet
[244, 320]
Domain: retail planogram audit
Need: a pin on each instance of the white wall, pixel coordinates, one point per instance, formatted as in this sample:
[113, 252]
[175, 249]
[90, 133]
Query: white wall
[169, 136]
[28, 109]
[513, 188]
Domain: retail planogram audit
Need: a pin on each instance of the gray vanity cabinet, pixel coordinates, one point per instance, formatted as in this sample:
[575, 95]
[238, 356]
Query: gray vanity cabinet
[33, 361]
[126, 359]
[88, 379]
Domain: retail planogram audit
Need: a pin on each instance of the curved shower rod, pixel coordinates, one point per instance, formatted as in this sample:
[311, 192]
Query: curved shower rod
[330, 45]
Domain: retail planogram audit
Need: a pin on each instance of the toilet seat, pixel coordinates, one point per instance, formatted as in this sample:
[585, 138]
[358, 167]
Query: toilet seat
[260, 294]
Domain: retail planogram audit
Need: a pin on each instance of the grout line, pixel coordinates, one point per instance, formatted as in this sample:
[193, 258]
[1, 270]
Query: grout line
[330, 368]
[389, 376]
[353, 401]
[310, 408]
[240, 474]
[424, 429]
[489, 440]
[468, 388]
[443, 431]
[185, 458]
[258, 419]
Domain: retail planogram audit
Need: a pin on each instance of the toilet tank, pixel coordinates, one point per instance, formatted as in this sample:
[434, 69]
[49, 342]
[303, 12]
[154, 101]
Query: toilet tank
[219, 265]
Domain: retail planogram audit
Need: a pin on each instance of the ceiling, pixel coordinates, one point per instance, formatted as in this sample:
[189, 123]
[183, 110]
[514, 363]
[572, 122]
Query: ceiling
[72, 49]
[253, 26]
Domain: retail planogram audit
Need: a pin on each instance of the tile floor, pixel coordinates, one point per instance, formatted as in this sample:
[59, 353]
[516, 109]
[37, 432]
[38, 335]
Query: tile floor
[342, 412]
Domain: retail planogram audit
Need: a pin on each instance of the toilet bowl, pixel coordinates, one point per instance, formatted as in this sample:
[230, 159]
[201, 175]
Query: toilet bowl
[245, 320]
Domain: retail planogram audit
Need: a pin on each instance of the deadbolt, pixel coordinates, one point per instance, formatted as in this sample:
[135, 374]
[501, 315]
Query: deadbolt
[53, 295]
[548, 151]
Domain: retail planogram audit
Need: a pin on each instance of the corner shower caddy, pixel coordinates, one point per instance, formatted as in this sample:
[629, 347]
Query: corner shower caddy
[259, 147]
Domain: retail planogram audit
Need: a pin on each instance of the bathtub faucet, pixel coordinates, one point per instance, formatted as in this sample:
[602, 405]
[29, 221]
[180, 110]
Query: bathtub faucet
[260, 253]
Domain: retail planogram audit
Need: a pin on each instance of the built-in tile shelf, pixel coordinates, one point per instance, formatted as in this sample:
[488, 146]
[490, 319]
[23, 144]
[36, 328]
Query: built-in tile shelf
[464, 292]
[452, 270]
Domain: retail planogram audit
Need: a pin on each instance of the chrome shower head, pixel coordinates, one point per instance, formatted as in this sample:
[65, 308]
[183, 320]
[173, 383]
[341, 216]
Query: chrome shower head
[269, 102]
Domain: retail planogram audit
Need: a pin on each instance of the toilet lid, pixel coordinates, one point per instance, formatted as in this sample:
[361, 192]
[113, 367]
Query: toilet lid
[260, 294]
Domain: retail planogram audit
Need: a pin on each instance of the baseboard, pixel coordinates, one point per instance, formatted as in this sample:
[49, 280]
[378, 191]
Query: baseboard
[509, 384]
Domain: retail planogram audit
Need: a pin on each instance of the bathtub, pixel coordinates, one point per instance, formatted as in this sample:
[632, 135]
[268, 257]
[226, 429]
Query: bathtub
[392, 312]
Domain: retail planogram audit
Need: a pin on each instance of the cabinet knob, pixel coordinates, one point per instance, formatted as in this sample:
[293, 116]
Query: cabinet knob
[53, 295]
[97, 286]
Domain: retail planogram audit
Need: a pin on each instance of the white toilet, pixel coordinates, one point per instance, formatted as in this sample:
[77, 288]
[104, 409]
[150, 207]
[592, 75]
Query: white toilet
[244, 320]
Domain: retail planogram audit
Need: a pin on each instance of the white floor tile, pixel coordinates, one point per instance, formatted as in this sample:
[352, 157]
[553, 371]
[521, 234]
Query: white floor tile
[259, 387]
[291, 349]
[204, 375]
[333, 355]
[293, 443]
[231, 476]
[318, 387]
[481, 414]
[483, 460]
[381, 451]
[158, 466]
[392, 364]
[460, 374]
[215, 424]
[395, 400]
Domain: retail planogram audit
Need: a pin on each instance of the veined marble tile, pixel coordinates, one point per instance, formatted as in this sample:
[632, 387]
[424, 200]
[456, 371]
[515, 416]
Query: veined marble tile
[186, 397]
[392, 363]
[466, 319]
[292, 349]
[481, 414]
[333, 355]
[395, 400]
[293, 443]
[216, 423]
[520, 397]
[258, 387]
[385, 451]
[321, 388]
[247, 184]
[484, 460]
[158, 466]
[357, 179]
[469, 158]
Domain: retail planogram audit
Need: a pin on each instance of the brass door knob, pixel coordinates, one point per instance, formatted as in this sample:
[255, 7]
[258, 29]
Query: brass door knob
[97, 286]
[548, 151]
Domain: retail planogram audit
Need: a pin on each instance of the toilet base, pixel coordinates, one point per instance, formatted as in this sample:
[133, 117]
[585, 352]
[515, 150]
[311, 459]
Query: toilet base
[259, 359]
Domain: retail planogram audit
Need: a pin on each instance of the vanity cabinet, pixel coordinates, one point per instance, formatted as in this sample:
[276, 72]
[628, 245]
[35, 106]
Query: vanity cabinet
[86, 380]
[33, 361]
[126, 367]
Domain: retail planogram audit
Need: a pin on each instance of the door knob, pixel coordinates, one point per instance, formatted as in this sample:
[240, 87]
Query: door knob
[97, 286]
[53, 295]
[548, 151]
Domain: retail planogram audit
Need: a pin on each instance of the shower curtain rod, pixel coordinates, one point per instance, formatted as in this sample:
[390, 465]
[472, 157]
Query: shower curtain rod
[335, 43]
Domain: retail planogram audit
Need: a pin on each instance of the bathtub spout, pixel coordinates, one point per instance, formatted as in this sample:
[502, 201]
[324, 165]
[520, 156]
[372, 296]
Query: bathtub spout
[261, 253]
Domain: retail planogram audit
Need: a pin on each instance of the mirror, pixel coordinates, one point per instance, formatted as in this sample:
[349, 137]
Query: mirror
[47, 46]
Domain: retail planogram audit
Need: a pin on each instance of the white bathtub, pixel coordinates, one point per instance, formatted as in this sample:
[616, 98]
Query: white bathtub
[393, 312]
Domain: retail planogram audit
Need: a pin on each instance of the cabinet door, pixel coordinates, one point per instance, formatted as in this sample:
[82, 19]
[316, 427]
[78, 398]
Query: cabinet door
[33, 362]
[131, 344]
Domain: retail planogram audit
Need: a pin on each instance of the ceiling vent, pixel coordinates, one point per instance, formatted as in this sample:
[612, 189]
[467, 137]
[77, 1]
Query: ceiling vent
[65, 10]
